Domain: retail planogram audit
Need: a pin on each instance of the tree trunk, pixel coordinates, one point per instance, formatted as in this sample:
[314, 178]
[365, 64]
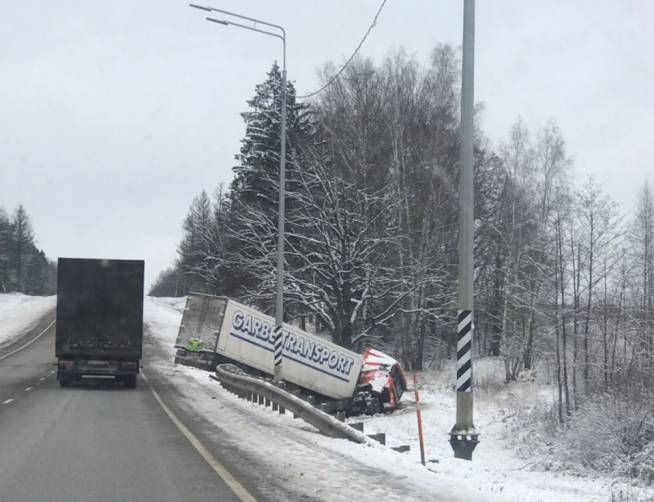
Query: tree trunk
[564, 348]
[588, 306]
[558, 342]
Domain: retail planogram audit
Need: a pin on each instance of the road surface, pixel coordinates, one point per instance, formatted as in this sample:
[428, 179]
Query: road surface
[101, 443]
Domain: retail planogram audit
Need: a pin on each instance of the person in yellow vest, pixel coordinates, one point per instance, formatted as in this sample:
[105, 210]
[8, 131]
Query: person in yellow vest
[194, 345]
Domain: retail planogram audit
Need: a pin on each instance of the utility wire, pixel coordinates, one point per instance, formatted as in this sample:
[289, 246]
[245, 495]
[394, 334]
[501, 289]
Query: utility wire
[356, 51]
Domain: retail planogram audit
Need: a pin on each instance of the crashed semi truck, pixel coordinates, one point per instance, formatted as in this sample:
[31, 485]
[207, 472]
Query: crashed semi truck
[216, 330]
[99, 328]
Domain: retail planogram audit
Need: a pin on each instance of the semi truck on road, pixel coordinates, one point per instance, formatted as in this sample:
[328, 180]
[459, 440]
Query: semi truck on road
[99, 326]
[217, 329]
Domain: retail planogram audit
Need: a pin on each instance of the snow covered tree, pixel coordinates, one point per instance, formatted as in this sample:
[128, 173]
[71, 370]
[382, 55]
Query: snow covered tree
[335, 254]
[5, 240]
[36, 273]
[255, 186]
[21, 246]
[642, 239]
[167, 283]
[394, 127]
[195, 244]
[257, 173]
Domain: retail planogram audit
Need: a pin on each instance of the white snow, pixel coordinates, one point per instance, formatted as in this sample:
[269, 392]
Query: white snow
[19, 313]
[330, 469]
[496, 468]
[162, 317]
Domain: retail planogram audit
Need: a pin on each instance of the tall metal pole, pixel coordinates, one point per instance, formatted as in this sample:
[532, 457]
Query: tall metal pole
[279, 306]
[278, 337]
[464, 437]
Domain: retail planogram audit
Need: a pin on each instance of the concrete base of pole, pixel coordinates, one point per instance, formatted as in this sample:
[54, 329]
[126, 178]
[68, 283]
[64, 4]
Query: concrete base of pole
[464, 438]
[463, 445]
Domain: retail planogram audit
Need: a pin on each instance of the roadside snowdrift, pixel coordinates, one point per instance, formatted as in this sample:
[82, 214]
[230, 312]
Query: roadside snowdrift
[20, 313]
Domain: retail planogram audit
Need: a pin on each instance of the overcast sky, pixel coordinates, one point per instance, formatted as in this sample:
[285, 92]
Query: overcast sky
[114, 114]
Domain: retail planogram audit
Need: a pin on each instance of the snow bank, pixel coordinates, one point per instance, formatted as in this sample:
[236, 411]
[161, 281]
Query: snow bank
[20, 313]
[162, 318]
[496, 467]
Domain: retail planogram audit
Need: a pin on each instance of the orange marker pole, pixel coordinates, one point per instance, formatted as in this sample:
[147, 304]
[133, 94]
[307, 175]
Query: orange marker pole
[419, 415]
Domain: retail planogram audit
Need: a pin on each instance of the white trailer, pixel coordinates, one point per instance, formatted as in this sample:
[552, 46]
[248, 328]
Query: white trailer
[220, 326]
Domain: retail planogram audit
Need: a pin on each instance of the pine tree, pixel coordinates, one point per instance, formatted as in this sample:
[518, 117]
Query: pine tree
[21, 247]
[195, 245]
[257, 173]
[256, 177]
[166, 284]
[5, 240]
[36, 273]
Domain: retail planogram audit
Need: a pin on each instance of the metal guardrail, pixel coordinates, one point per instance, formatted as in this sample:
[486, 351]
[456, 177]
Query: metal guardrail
[237, 381]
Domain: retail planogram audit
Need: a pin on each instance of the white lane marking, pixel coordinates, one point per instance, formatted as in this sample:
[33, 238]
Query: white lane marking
[27, 389]
[41, 379]
[30, 342]
[52, 372]
[7, 401]
[238, 489]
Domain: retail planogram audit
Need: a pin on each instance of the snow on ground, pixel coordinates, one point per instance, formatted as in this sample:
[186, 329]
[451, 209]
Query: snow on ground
[163, 317]
[377, 473]
[495, 466]
[19, 313]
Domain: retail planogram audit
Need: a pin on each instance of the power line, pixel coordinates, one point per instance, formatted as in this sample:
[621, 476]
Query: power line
[338, 73]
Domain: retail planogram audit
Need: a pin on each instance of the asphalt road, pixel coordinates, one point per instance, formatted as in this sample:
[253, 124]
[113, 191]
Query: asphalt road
[98, 443]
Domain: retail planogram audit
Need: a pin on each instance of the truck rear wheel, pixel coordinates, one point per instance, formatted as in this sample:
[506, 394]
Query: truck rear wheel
[65, 382]
[130, 381]
[374, 405]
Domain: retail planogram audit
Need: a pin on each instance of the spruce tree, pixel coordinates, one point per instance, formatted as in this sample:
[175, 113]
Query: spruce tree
[195, 244]
[5, 239]
[257, 174]
[256, 177]
[21, 247]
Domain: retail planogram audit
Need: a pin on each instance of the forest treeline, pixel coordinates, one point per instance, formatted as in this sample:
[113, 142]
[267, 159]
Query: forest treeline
[562, 276]
[24, 268]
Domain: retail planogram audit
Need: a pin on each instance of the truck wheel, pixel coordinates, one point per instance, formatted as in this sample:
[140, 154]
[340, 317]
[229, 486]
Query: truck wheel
[65, 382]
[374, 406]
[130, 381]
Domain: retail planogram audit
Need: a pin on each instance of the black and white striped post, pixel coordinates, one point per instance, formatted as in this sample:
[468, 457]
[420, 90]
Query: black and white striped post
[278, 346]
[464, 351]
[463, 437]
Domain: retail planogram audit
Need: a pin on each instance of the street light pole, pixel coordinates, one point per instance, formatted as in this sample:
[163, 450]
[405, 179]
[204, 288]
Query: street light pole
[279, 303]
[279, 306]
[464, 437]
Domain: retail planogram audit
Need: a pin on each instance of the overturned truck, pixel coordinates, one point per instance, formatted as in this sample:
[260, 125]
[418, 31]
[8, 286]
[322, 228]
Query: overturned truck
[216, 330]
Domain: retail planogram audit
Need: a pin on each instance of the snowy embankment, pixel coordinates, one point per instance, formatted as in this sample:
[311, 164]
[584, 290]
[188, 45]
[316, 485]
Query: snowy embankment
[20, 313]
[496, 467]
[330, 469]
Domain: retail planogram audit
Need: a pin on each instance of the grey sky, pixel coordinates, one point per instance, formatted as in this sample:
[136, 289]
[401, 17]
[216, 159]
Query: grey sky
[113, 115]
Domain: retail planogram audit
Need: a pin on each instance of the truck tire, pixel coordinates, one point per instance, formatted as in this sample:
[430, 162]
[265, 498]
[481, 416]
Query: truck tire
[374, 406]
[65, 382]
[130, 381]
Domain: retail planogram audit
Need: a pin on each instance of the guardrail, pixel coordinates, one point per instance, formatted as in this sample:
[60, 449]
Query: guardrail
[263, 392]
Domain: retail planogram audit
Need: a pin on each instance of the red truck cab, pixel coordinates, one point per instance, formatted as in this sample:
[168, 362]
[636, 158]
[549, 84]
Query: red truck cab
[384, 376]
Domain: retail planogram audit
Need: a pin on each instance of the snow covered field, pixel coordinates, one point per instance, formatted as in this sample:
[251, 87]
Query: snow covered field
[313, 464]
[19, 313]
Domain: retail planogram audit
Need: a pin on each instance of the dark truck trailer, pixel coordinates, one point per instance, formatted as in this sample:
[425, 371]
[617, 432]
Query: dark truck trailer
[99, 328]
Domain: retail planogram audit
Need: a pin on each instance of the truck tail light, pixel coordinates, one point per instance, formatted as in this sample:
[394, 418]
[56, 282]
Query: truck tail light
[129, 365]
[66, 365]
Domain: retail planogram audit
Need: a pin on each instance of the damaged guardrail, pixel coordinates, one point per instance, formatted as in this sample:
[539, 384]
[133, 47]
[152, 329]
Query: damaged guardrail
[237, 381]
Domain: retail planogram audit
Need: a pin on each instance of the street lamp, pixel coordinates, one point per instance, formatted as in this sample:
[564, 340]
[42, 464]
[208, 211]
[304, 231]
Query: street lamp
[279, 304]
